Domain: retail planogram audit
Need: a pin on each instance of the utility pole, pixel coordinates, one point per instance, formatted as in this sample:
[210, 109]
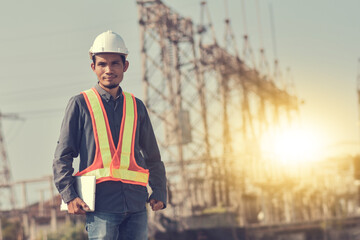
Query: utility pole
[357, 158]
[1, 236]
[358, 95]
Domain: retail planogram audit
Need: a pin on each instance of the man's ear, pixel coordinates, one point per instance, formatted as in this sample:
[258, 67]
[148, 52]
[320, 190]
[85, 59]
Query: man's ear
[92, 66]
[126, 66]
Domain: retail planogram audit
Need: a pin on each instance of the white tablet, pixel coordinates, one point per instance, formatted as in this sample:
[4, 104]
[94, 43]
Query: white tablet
[85, 187]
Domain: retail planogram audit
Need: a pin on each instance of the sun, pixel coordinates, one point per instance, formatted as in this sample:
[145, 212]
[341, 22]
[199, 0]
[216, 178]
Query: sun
[292, 146]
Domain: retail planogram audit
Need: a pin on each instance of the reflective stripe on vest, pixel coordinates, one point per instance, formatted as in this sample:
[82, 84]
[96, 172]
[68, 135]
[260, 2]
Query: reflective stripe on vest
[112, 164]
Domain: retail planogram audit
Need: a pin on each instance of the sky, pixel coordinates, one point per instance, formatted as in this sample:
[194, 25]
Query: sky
[44, 61]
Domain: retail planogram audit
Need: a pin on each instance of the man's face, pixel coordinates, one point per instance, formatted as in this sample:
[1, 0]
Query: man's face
[109, 69]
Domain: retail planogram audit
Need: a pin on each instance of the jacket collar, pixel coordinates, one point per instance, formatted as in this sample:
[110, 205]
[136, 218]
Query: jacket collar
[104, 94]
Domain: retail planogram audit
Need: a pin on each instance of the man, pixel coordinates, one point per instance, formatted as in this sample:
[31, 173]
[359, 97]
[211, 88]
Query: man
[111, 131]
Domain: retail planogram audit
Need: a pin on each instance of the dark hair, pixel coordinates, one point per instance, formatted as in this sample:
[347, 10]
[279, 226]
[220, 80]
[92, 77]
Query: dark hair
[122, 58]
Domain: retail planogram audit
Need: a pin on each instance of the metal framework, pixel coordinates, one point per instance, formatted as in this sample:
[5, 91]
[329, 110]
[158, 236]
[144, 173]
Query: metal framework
[7, 194]
[201, 98]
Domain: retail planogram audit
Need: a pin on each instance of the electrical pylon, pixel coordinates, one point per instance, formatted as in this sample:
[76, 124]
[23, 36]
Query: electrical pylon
[174, 91]
[6, 189]
[192, 89]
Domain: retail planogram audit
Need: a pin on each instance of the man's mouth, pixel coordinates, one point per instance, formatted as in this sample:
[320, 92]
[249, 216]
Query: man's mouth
[109, 77]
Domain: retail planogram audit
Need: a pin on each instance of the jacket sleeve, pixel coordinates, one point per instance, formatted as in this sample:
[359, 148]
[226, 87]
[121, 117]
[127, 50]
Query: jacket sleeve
[148, 144]
[66, 150]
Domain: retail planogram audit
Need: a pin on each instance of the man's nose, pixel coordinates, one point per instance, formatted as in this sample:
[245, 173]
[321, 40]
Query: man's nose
[108, 69]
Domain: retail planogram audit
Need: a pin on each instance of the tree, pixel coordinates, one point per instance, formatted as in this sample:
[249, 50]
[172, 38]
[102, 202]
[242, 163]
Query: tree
[11, 230]
[70, 232]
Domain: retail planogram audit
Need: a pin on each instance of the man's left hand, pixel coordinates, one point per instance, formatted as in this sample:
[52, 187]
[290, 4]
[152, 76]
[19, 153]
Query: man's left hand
[156, 205]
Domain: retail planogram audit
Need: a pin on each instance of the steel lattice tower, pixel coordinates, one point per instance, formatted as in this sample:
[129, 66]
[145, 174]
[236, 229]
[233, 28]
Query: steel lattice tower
[201, 98]
[6, 189]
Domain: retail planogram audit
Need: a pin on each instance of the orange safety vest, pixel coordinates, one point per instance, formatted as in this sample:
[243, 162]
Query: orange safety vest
[110, 163]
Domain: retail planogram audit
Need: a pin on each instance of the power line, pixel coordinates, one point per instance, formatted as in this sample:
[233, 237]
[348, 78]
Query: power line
[71, 32]
[273, 32]
[42, 112]
[42, 90]
[56, 89]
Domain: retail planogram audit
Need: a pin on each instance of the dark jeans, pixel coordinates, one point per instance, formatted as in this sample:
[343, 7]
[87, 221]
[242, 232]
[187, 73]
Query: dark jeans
[112, 226]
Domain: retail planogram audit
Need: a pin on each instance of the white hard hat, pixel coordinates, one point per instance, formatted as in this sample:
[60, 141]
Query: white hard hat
[108, 42]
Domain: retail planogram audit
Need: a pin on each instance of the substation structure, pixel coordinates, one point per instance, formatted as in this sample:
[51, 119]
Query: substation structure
[35, 220]
[209, 110]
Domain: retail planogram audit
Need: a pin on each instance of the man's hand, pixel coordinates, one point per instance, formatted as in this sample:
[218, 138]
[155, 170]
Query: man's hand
[77, 206]
[156, 205]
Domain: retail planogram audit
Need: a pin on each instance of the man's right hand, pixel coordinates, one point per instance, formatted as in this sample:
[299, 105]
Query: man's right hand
[77, 206]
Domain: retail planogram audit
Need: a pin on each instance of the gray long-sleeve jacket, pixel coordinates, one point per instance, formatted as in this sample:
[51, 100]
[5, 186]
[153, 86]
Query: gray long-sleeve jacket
[76, 137]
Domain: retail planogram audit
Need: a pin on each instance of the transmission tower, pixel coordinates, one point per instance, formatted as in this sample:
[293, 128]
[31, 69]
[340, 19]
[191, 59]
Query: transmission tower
[6, 189]
[173, 91]
[192, 89]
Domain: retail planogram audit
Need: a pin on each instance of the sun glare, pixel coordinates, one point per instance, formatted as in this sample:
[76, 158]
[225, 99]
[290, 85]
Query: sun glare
[292, 146]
